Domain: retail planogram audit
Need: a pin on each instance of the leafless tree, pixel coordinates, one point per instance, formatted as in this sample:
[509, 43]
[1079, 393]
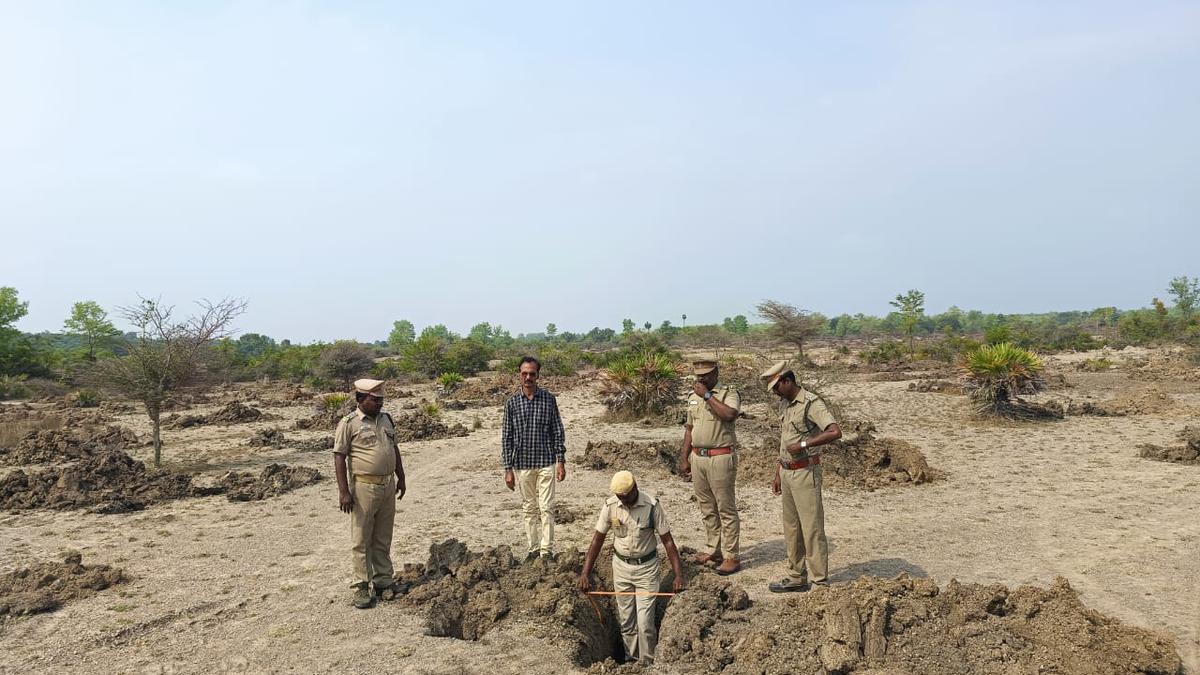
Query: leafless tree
[168, 355]
[789, 324]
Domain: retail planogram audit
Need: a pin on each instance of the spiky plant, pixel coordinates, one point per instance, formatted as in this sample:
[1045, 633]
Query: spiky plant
[640, 384]
[449, 382]
[996, 376]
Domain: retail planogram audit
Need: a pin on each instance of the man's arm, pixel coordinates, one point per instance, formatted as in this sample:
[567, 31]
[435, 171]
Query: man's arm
[829, 435]
[345, 499]
[685, 454]
[590, 560]
[725, 413]
[401, 487]
[560, 444]
[673, 557]
[508, 448]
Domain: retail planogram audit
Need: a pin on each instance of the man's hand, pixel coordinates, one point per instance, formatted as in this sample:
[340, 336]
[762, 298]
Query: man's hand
[677, 585]
[699, 388]
[685, 470]
[345, 501]
[582, 583]
[776, 487]
[560, 471]
[510, 480]
[401, 487]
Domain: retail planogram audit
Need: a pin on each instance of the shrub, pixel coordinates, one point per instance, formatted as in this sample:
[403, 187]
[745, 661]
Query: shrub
[1098, 365]
[467, 357]
[85, 398]
[345, 360]
[995, 376]
[449, 381]
[13, 386]
[997, 334]
[641, 384]
[40, 387]
[387, 369]
[332, 402]
[426, 356]
[888, 351]
[431, 409]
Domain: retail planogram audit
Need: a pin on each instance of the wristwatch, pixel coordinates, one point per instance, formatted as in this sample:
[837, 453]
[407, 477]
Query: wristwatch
[803, 445]
[707, 395]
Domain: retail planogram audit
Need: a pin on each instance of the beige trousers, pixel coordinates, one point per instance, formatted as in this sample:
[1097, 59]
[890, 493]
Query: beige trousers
[537, 504]
[636, 613]
[371, 522]
[713, 480]
[804, 525]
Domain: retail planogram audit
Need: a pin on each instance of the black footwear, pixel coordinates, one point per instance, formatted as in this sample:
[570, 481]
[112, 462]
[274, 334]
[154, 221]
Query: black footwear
[787, 586]
[533, 555]
[547, 557]
[363, 598]
[385, 592]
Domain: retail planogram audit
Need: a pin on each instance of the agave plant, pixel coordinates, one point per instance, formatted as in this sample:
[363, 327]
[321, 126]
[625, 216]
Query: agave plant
[640, 384]
[996, 376]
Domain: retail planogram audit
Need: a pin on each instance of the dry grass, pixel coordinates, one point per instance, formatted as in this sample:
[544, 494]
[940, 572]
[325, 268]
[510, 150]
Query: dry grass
[12, 432]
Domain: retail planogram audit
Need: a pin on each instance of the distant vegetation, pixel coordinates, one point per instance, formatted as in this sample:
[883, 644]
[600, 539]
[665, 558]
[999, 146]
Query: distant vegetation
[53, 364]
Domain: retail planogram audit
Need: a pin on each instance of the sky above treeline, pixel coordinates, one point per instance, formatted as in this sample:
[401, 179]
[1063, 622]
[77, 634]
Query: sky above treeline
[344, 165]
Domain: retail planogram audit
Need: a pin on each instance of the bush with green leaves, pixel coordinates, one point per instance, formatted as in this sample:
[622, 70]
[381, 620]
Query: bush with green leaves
[333, 402]
[426, 356]
[888, 351]
[641, 384]
[431, 409]
[13, 386]
[345, 360]
[387, 369]
[449, 381]
[996, 376]
[85, 398]
[467, 356]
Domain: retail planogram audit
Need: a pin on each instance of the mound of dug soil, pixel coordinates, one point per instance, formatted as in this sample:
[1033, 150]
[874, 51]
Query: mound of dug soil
[323, 417]
[62, 445]
[109, 482]
[1187, 453]
[46, 586]
[657, 457]
[906, 625]
[485, 391]
[267, 438]
[466, 594]
[272, 481]
[1147, 402]
[418, 426]
[935, 386]
[235, 412]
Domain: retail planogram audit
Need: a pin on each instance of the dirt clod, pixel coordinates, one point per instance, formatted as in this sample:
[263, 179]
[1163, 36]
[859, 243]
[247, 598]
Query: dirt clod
[273, 480]
[68, 444]
[234, 412]
[420, 426]
[46, 586]
[657, 456]
[1188, 452]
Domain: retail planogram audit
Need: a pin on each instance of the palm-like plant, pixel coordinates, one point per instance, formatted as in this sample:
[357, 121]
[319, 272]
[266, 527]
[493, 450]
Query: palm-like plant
[640, 384]
[995, 377]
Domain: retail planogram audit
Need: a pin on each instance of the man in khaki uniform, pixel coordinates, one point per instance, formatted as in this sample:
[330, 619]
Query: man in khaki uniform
[634, 516]
[806, 424]
[370, 477]
[708, 458]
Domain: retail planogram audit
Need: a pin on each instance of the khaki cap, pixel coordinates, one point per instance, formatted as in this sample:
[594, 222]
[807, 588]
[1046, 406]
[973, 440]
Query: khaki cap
[622, 483]
[772, 374]
[372, 387]
[703, 367]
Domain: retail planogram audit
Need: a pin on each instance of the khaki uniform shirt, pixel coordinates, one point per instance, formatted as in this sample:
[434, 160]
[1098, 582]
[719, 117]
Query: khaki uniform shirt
[708, 431]
[633, 532]
[795, 428]
[370, 443]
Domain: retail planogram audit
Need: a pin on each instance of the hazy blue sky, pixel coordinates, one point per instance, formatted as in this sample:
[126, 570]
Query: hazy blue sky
[342, 165]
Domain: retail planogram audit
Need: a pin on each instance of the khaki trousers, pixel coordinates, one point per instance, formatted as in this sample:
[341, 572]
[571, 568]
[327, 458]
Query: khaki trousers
[636, 613]
[371, 522]
[713, 480]
[537, 504]
[804, 525]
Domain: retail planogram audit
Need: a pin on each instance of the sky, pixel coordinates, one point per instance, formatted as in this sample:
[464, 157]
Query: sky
[344, 165]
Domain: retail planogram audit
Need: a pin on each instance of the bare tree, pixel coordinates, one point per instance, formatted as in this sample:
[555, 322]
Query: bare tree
[168, 355]
[789, 324]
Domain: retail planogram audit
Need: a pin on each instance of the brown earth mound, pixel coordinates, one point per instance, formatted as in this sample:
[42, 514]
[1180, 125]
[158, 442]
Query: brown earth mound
[323, 417]
[657, 457]
[419, 426]
[1146, 402]
[267, 438]
[485, 391]
[314, 444]
[60, 445]
[935, 386]
[234, 412]
[109, 482]
[905, 625]
[1187, 453]
[46, 586]
[272, 481]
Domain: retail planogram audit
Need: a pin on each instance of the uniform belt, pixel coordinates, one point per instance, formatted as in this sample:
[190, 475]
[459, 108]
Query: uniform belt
[371, 479]
[713, 452]
[800, 463]
[638, 561]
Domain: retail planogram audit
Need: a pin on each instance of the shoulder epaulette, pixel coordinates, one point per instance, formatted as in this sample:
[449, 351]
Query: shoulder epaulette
[348, 417]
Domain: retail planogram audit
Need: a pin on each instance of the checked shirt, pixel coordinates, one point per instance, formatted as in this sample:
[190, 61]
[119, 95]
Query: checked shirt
[533, 435]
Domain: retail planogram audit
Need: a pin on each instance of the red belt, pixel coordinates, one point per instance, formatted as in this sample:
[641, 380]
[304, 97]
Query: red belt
[712, 452]
[800, 463]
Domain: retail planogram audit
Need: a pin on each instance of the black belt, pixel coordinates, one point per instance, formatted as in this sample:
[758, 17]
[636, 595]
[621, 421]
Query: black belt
[637, 561]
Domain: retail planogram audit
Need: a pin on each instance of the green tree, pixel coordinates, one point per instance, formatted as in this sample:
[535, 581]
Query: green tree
[89, 321]
[668, 331]
[467, 357]
[789, 324]
[439, 331]
[912, 308]
[16, 351]
[647, 325]
[551, 330]
[403, 333]
[426, 356]
[252, 346]
[481, 332]
[344, 361]
[167, 355]
[1186, 293]
[626, 326]
[683, 319]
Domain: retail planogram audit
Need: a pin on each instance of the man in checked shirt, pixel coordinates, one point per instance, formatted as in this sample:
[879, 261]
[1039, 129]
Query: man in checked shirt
[534, 454]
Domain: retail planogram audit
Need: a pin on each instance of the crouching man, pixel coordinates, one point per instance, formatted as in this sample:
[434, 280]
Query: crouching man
[635, 517]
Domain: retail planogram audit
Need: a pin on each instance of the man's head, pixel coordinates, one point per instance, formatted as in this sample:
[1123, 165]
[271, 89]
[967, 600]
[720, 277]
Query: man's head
[369, 395]
[706, 372]
[529, 372]
[624, 487]
[781, 379]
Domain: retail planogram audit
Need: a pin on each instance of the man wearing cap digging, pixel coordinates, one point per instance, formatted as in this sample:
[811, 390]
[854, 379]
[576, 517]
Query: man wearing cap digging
[365, 459]
[634, 516]
[806, 424]
[707, 458]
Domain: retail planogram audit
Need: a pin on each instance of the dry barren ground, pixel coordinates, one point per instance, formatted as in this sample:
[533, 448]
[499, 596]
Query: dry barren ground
[221, 586]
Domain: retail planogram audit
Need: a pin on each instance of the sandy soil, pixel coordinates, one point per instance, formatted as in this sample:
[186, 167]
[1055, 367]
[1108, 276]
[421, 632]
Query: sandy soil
[220, 586]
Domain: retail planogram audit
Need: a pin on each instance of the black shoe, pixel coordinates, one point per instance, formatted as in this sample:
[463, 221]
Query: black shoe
[547, 557]
[385, 592]
[787, 586]
[533, 555]
[363, 598]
